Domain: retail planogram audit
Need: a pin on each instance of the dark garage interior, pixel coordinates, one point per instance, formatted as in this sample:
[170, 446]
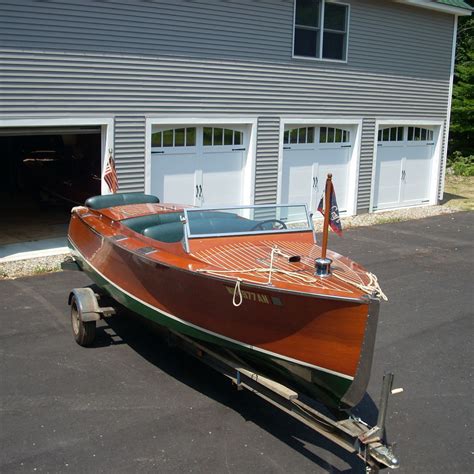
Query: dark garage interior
[46, 171]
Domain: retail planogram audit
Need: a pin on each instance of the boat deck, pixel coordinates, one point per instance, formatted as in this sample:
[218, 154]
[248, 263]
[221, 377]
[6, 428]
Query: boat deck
[251, 262]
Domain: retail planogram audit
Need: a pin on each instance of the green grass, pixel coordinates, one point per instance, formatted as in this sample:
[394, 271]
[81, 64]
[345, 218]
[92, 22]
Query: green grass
[41, 269]
[459, 193]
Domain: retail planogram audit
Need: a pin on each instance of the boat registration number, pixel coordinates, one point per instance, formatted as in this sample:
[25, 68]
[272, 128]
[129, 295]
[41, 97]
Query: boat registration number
[253, 296]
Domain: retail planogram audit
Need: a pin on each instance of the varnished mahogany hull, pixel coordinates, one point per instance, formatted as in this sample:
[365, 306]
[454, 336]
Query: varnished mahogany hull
[321, 346]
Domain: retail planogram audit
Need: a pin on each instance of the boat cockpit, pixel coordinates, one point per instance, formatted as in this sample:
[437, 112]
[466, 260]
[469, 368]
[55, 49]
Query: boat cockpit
[183, 225]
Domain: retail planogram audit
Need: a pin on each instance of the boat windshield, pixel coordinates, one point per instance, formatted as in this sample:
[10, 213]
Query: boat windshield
[247, 220]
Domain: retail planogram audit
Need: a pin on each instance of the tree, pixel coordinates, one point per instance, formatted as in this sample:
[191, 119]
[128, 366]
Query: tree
[462, 110]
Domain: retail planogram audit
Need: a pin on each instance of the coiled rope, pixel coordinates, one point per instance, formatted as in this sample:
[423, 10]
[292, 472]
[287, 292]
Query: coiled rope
[371, 288]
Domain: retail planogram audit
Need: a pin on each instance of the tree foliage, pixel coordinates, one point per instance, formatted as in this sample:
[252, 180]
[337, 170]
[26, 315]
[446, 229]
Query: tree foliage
[462, 110]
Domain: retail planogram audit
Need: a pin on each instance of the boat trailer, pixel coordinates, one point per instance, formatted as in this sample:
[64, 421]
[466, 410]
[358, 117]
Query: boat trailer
[351, 434]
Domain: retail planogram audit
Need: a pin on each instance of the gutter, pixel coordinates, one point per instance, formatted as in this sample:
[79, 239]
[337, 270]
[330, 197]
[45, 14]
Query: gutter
[433, 5]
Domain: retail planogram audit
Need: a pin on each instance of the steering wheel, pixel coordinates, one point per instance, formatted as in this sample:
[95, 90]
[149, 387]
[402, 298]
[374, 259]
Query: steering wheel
[268, 221]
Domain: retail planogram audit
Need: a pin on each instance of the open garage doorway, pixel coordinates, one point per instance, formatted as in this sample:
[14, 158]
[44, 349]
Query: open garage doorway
[46, 170]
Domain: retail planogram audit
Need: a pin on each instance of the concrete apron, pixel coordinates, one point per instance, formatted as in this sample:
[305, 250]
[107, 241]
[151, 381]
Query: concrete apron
[34, 249]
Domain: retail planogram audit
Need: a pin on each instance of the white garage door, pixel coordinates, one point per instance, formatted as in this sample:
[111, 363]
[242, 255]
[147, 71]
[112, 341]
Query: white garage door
[200, 166]
[404, 167]
[309, 154]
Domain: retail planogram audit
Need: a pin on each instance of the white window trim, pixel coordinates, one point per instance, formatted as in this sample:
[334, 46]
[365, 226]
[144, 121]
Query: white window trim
[106, 125]
[321, 59]
[248, 196]
[353, 162]
[438, 129]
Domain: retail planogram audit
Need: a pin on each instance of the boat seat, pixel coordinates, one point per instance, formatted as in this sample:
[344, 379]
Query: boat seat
[169, 233]
[214, 215]
[139, 224]
[222, 225]
[120, 199]
[173, 231]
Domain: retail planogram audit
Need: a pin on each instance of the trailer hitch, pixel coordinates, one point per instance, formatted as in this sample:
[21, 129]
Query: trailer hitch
[372, 440]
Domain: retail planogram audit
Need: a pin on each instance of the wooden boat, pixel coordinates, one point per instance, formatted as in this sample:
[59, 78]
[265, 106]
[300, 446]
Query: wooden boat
[241, 280]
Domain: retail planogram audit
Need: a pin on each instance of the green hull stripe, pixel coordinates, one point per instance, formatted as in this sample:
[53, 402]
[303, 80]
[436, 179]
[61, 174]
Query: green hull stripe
[173, 322]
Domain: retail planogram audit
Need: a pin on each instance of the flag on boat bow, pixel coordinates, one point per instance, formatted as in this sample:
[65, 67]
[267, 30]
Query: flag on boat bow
[110, 174]
[334, 219]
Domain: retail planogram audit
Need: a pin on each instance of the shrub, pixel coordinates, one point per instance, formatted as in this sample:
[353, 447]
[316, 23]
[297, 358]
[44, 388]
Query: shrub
[461, 165]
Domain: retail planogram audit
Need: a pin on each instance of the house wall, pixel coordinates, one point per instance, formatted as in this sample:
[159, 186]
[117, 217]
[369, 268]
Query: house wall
[134, 59]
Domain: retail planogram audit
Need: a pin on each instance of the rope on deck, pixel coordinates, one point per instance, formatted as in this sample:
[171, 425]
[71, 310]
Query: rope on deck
[371, 288]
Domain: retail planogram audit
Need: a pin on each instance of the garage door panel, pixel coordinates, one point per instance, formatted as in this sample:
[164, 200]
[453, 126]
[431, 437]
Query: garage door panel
[336, 161]
[173, 178]
[297, 176]
[222, 178]
[388, 175]
[340, 179]
[417, 176]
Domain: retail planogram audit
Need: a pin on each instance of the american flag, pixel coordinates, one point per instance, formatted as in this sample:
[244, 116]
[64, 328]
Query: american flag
[334, 219]
[110, 175]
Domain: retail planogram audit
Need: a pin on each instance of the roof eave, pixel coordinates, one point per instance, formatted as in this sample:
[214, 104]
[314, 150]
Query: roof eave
[437, 7]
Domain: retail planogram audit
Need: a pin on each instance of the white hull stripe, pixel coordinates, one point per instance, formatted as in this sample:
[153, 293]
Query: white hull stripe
[219, 336]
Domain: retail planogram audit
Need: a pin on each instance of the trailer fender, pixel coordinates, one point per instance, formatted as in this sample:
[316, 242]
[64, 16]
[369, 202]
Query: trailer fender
[87, 304]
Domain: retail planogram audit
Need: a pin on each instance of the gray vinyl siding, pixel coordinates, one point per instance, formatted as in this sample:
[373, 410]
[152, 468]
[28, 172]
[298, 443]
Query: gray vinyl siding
[394, 35]
[129, 141]
[266, 173]
[365, 164]
[132, 59]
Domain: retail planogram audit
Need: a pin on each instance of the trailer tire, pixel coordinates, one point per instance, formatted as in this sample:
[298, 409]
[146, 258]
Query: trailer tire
[83, 331]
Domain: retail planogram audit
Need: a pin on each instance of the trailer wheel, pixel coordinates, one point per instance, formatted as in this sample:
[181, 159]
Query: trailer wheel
[83, 331]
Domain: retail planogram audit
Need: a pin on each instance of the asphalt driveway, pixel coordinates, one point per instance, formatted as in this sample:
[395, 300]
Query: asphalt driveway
[131, 404]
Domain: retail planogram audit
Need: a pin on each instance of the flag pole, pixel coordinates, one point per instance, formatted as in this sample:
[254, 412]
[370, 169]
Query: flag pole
[323, 264]
[327, 210]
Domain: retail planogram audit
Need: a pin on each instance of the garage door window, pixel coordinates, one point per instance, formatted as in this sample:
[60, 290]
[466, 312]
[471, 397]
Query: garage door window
[299, 135]
[334, 135]
[213, 136]
[391, 134]
[419, 134]
[175, 137]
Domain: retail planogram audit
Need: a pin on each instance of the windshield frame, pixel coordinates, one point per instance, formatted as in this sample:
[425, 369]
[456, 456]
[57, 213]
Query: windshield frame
[189, 236]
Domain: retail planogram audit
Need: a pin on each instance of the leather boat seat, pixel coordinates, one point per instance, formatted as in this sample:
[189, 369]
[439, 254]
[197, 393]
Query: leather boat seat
[169, 233]
[120, 199]
[220, 225]
[139, 224]
[174, 232]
